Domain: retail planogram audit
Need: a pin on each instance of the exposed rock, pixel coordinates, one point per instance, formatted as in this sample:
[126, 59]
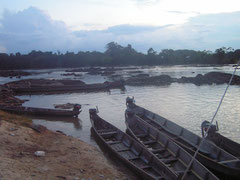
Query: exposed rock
[210, 78]
[11, 73]
[55, 86]
[154, 80]
[64, 106]
[71, 74]
[7, 97]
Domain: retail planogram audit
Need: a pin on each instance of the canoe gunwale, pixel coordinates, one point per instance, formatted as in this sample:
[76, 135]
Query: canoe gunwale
[174, 153]
[141, 154]
[40, 111]
[202, 157]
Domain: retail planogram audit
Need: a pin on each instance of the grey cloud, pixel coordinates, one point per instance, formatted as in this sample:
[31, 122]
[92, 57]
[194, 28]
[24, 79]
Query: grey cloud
[33, 29]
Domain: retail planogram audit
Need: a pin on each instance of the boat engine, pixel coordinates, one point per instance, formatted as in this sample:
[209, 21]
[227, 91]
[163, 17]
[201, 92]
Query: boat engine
[129, 113]
[130, 102]
[212, 130]
[77, 107]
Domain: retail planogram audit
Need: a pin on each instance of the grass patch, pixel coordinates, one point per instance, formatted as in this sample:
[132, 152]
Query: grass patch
[16, 119]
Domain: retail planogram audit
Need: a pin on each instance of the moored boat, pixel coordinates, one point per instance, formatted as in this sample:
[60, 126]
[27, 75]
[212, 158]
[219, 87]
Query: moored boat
[223, 142]
[129, 151]
[166, 150]
[42, 111]
[209, 154]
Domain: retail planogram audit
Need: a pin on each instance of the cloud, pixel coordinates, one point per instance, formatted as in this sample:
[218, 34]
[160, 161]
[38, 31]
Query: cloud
[33, 29]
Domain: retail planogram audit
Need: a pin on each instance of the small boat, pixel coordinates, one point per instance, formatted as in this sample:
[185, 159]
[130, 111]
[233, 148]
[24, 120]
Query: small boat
[145, 164]
[210, 155]
[223, 142]
[42, 111]
[166, 150]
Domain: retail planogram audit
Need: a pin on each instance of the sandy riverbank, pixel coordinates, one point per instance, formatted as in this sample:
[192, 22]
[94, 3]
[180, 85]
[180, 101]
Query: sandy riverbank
[66, 157]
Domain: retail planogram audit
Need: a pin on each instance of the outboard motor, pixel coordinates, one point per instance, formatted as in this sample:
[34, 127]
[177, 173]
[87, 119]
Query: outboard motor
[77, 107]
[130, 102]
[129, 113]
[93, 111]
[212, 130]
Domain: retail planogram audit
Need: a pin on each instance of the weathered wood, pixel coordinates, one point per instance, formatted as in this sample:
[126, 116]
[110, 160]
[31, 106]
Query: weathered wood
[165, 149]
[209, 154]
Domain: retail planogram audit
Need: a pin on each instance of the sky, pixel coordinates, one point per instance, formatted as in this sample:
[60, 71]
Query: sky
[80, 25]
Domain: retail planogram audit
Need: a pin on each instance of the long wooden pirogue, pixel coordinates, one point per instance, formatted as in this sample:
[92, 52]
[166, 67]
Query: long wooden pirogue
[140, 159]
[41, 111]
[174, 156]
[223, 142]
[209, 154]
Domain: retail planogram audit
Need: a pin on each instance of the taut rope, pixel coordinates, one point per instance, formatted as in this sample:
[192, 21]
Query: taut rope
[205, 135]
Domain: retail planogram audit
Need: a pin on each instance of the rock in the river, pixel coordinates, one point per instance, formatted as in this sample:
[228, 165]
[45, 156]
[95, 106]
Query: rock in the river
[145, 80]
[211, 78]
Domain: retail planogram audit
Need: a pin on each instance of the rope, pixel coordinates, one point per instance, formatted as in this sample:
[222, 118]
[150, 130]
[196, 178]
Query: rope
[203, 139]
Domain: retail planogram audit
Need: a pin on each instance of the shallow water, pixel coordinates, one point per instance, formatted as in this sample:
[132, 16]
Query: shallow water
[186, 104]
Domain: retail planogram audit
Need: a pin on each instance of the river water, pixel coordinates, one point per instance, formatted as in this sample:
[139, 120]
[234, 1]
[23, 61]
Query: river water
[185, 104]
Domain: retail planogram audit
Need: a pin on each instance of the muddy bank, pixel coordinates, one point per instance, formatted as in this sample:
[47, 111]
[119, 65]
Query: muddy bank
[11, 73]
[51, 86]
[65, 157]
[7, 97]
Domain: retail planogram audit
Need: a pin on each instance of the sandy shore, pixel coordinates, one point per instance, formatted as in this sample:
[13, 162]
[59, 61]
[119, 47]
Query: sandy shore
[66, 157]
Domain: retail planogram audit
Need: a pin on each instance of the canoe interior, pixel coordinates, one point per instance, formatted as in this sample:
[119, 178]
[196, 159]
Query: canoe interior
[225, 143]
[166, 150]
[130, 151]
[216, 157]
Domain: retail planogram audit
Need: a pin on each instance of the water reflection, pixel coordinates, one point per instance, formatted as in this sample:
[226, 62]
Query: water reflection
[77, 123]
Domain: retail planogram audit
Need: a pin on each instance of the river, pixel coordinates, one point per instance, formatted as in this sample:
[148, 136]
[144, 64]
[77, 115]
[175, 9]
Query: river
[185, 104]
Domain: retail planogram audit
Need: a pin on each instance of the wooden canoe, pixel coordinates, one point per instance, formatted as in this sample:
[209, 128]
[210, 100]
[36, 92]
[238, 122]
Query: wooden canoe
[143, 163]
[41, 111]
[223, 142]
[167, 151]
[209, 155]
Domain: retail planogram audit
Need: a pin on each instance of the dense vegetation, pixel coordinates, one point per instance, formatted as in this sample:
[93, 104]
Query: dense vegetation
[116, 54]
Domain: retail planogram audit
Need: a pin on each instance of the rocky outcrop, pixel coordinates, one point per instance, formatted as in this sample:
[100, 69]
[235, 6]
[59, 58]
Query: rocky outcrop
[11, 73]
[7, 97]
[145, 80]
[35, 86]
[210, 78]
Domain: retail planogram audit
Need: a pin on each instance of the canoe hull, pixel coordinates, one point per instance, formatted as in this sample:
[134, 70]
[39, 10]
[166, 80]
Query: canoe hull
[40, 111]
[134, 155]
[224, 163]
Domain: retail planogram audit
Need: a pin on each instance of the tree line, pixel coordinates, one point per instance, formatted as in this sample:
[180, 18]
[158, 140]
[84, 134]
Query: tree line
[117, 55]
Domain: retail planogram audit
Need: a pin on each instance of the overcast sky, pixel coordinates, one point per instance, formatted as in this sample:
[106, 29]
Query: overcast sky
[80, 25]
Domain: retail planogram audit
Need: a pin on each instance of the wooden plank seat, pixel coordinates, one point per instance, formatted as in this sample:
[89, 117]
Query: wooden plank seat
[122, 150]
[169, 161]
[114, 142]
[141, 135]
[108, 133]
[133, 158]
[146, 167]
[149, 142]
[160, 178]
[163, 157]
[105, 130]
[181, 172]
[157, 151]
